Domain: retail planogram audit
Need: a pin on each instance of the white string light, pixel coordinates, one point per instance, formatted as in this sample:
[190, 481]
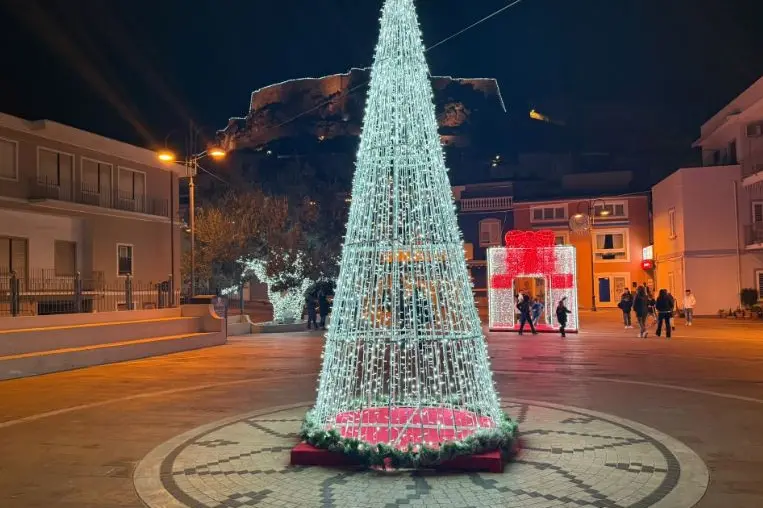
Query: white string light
[287, 303]
[405, 362]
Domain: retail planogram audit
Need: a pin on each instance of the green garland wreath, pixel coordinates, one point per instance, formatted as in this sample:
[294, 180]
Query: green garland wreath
[500, 438]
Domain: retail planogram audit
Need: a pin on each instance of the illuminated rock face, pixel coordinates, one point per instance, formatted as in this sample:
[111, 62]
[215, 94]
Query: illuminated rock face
[335, 106]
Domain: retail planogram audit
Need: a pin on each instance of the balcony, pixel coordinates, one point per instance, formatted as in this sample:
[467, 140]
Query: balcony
[752, 171]
[753, 238]
[82, 194]
[487, 204]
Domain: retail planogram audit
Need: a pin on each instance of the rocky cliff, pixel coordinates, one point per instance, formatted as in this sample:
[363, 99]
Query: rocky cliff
[332, 107]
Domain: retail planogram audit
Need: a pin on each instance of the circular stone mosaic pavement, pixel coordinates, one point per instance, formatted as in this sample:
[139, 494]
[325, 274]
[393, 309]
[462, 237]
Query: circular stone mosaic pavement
[570, 457]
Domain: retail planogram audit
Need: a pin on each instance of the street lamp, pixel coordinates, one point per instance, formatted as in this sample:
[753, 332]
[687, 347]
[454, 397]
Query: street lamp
[192, 166]
[585, 223]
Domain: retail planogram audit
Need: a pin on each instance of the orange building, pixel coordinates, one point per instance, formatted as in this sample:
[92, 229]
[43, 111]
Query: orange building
[611, 249]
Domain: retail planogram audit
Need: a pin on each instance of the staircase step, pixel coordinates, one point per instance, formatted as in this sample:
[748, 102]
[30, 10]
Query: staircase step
[42, 339]
[45, 362]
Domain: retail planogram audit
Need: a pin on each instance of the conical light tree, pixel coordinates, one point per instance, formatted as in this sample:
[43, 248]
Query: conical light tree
[405, 372]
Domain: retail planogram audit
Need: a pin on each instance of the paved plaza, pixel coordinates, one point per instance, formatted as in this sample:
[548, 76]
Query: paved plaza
[606, 420]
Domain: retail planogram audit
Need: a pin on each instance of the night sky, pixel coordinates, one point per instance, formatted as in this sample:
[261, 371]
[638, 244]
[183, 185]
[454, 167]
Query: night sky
[135, 70]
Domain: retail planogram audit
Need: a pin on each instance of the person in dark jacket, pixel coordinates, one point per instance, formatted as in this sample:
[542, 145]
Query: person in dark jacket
[310, 303]
[561, 315]
[641, 307]
[536, 311]
[323, 307]
[664, 307]
[626, 305]
[524, 314]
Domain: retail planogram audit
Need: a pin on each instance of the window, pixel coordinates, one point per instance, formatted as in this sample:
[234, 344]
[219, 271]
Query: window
[755, 130]
[96, 180]
[615, 210]
[490, 232]
[13, 256]
[65, 258]
[759, 281]
[8, 160]
[757, 212]
[132, 184]
[124, 260]
[672, 223]
[611, 245]
[54, 169]
[469, 251]
[548, 213]
[561, 239]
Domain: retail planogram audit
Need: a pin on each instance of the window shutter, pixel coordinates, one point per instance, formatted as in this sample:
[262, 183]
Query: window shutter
[7, 159]
[757, 213]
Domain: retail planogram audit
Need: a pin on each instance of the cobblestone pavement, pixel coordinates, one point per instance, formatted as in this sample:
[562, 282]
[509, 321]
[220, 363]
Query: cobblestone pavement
[568, 458]
[74, 439]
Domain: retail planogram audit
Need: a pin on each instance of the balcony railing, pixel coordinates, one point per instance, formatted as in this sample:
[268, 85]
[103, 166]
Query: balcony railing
[487, 204]
[754, 234]
[88, 195]
[40, 292]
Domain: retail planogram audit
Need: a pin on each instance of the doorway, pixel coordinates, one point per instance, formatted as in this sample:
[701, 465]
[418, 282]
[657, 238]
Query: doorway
[609, 288]
[535, 287]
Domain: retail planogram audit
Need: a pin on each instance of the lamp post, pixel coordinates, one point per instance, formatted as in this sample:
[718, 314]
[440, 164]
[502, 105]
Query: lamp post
[586, 222]
[191, 163]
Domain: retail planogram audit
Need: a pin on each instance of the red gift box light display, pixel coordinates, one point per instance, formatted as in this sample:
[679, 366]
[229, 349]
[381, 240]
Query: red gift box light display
[533, 258]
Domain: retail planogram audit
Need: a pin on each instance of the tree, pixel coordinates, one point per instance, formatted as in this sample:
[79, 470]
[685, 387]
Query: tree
[238, 227]
[405, 367]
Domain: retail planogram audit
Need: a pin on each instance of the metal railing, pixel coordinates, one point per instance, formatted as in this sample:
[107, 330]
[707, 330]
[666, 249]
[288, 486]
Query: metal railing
[40, 189]
[46, 293]
[487, 203]
[754, 234]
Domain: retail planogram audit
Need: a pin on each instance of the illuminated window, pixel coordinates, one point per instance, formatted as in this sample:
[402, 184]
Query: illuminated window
[611, 245]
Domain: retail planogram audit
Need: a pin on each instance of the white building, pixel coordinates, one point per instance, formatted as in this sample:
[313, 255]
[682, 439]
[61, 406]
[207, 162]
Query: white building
[708, 221]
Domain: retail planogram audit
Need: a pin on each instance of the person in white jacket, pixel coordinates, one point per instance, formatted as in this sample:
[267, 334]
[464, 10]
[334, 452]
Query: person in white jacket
[689, 303]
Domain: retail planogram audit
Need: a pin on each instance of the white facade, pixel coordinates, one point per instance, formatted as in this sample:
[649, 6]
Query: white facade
[708, 221]
[735, 135]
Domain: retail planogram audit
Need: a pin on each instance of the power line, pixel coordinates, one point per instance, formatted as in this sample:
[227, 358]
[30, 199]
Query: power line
[361, 85]
[496, 13]
[365, 83]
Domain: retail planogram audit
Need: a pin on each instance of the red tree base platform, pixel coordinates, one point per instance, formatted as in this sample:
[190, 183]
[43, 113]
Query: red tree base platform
[307, 455]
[403, 427]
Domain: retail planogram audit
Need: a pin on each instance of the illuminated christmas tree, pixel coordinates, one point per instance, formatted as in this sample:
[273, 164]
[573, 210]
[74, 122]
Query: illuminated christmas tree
[405, 371]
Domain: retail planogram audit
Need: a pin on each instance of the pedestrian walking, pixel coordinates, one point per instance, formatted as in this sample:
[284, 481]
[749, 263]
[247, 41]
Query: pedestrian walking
[561, 315]
[689, 303]
[323, 307]
[524, 314]
[664, 307]
[537, 309]
[626, 305]
[641, 307]
[310, 303]
[673, 306]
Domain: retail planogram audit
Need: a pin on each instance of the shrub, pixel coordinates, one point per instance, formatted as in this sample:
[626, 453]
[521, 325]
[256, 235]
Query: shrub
[749, 297]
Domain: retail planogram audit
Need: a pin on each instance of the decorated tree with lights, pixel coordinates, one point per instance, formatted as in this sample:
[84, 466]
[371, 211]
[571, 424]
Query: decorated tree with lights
[405, 372]
[286, 285]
